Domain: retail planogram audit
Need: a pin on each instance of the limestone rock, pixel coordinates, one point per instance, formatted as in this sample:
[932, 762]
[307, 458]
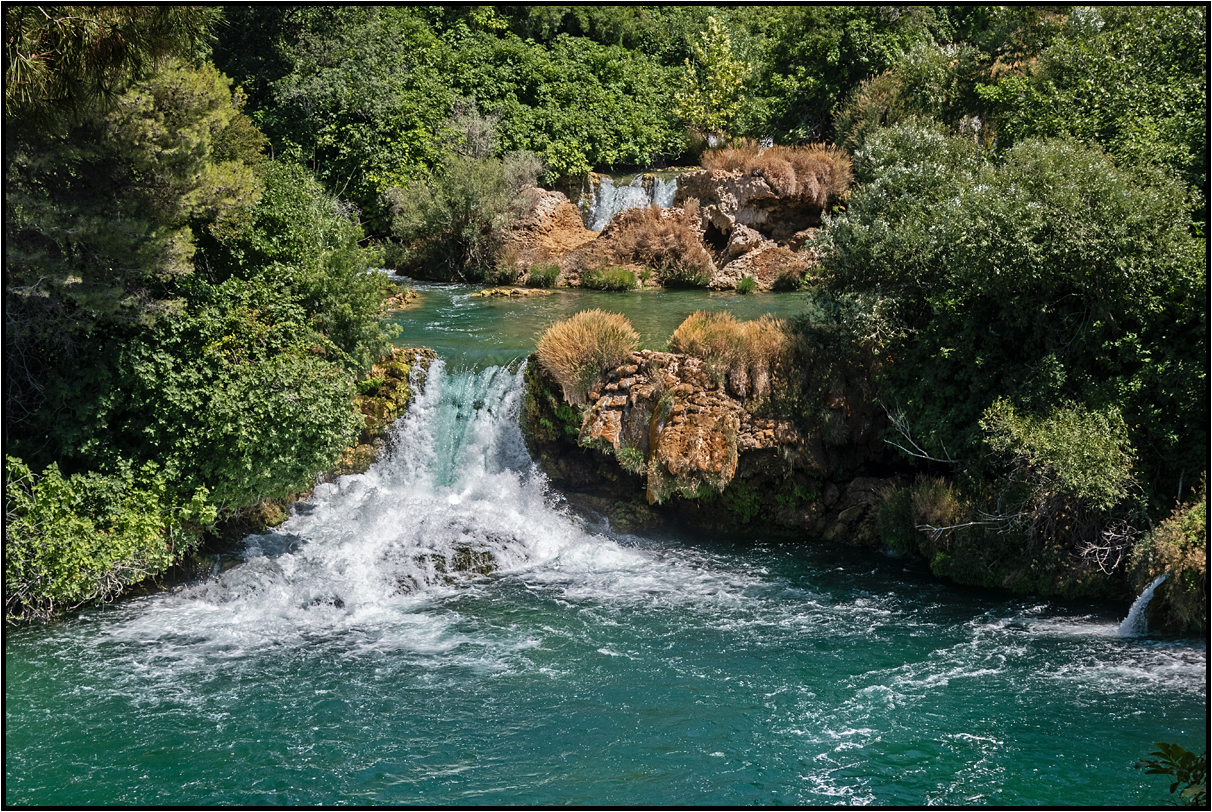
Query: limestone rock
[728, 199]
[666, 414]
[550, 230]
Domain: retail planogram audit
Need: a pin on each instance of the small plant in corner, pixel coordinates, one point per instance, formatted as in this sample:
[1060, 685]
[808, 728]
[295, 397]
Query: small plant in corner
[1189, 770]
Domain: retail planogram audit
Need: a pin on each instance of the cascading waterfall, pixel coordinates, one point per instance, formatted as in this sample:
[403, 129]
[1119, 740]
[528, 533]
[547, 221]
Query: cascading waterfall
[1136, 624]
[458, 497]
[606, 199]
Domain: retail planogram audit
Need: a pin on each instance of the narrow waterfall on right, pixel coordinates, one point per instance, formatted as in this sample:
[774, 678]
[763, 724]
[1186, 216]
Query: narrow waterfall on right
[1136, 624]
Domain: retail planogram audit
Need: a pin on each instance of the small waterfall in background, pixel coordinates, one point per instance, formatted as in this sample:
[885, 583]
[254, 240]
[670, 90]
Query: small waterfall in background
[1135, 624]
[604, 199]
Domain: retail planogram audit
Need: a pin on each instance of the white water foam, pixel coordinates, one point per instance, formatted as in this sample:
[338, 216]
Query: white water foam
[1136, 624]
[457, 504]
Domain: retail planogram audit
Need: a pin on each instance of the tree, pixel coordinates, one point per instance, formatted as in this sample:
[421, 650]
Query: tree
[1130, 79]
[711, 96]
[101, 216]
[63, 61]
[451, 226]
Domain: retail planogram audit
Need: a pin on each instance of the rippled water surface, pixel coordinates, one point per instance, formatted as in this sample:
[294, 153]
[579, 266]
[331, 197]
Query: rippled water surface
[358, 655]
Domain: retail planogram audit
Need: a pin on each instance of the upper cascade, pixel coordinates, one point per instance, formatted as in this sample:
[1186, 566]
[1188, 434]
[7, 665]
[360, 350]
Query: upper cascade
[602, 198]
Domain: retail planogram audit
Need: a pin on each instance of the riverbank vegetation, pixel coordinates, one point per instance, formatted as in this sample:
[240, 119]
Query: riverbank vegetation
[193, 197]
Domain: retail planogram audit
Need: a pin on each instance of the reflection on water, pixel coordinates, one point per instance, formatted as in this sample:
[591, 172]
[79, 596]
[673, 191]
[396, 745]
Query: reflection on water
[477, 332]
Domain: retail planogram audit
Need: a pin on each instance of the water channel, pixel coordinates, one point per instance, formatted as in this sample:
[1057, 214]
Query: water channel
[340, 661]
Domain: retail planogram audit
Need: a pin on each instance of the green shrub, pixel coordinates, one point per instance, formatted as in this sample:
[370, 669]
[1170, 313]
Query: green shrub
[1044, 275]
[1082, 452]
[789, 279]
[71, 541]
[579, 349]
[307, 241]
[747, 285]
[453, 224]
[894, 522]
[608, 278]
[543, 275]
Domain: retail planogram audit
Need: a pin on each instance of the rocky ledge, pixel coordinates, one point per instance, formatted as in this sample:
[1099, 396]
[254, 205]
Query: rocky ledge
[661, 434]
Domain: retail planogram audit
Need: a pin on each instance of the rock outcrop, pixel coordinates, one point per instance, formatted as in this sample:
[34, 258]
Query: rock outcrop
[549, 231]
[663, 426]
[738, 225]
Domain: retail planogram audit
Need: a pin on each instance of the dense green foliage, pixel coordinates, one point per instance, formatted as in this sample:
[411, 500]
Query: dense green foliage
[1042, 276]
[68, 541]
[175, 306]
[1133, 79]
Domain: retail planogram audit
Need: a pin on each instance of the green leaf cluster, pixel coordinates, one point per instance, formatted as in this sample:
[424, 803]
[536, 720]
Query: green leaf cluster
[72, 540]
[1189, 771]
[1082, 452]
[308, 243]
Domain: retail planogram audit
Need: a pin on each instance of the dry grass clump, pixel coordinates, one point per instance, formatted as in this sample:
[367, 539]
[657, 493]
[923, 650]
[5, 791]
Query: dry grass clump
[744, 353]
[667, 243]
[816, 172]
[579, 349]
[736, 155]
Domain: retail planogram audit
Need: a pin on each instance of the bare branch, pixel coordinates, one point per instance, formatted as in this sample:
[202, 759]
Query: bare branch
[901, 424]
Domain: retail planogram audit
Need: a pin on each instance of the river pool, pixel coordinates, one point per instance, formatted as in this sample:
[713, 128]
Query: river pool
[343, 660]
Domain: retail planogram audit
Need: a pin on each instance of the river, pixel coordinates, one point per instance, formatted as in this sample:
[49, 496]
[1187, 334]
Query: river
[342, 659]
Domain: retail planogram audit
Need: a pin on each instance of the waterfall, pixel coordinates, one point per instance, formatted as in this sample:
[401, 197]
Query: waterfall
[605, 199]
[458, 498]
[1135, 624]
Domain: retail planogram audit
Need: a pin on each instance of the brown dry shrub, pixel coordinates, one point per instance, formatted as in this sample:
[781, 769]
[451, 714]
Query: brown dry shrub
[822, 172]
[817, 172]
[579, 349]
[669, 243]
[779, 173]
[745, 353]
[736, 155]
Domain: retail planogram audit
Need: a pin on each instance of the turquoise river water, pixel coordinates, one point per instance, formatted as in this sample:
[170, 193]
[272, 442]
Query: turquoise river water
[336, 661]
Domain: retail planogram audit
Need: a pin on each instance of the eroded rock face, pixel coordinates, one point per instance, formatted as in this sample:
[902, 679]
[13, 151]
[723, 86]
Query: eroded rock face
[729, 199]
[550, 230]
[661, 429]
[665, 417]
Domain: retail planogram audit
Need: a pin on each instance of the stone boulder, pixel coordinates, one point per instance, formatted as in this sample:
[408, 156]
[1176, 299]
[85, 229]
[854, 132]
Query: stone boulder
[551, 229]
[731, 198]
[664, 417]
